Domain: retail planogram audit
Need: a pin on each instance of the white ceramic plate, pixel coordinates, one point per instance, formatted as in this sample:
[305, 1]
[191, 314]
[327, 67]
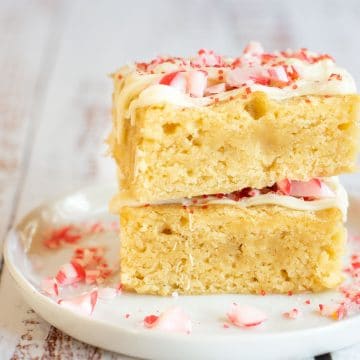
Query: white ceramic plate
[108, 328]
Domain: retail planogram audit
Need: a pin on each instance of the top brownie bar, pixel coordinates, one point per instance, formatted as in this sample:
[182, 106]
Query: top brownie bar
[210, 124]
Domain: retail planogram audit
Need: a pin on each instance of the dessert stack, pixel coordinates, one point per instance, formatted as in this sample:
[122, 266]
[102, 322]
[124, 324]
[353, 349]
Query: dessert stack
[227, 171]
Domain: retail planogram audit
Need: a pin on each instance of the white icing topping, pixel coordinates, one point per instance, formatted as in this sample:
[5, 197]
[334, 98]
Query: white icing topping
[340, 200]
[139, 89]
[313, 81]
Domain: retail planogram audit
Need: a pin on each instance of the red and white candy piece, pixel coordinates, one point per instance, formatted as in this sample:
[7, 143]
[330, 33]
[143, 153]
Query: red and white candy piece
[284, 186]
[207, 58]
[193, 82]
[66, 234]
[275, 75]
[70, 273]
[173, 320]
[241, 76]
[168, 78]
[334, 311]
[216, 89]
[180, 82]
[84, 303]
[50, 286]
[312, 188]
[150, 320]
[246, 316]
[292, 314]
[352, 292]
[91, 276]
[197, 81]
[176, 79]
[278, 74]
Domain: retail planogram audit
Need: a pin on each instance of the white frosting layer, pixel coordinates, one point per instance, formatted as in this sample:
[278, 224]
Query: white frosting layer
[139, 89]
[314, 81]
[340, 200]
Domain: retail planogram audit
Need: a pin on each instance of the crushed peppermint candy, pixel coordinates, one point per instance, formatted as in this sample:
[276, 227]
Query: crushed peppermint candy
[150, 320]
[93, 262]
[354, 267]
[314, 188]
[350, 291]
[87, 265]
[66, 234]
[72, 234]
[84, 303]
[70, 273]
[292, 314]
[307, 190]
[333, 311]
[173, 320]
[245, 316]
[335, 77]
[50, 286]
[209, 73]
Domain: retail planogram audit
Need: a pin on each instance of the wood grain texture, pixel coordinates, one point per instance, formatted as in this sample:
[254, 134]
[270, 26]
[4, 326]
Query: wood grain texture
[24, 335]
[55, 101]
[25, 42]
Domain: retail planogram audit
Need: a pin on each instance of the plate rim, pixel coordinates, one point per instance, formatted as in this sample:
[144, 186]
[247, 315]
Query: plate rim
[26, 287]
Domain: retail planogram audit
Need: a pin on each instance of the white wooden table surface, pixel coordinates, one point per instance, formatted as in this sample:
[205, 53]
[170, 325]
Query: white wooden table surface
[55, 101]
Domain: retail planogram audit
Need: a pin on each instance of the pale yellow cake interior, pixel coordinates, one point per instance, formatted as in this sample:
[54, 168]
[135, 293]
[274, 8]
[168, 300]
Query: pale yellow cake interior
[171, 152]
[228, 249]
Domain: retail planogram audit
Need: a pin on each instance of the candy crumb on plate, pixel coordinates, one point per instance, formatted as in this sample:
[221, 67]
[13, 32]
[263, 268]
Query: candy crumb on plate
[84, 303]
[173, 319]
[292, 314]
[246, 316]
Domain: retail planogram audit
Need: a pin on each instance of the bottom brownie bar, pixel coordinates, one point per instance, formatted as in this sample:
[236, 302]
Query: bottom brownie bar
[230, 249]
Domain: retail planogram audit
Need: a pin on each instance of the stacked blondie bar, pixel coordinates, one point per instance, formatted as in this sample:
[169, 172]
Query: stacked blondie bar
[227, 171]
